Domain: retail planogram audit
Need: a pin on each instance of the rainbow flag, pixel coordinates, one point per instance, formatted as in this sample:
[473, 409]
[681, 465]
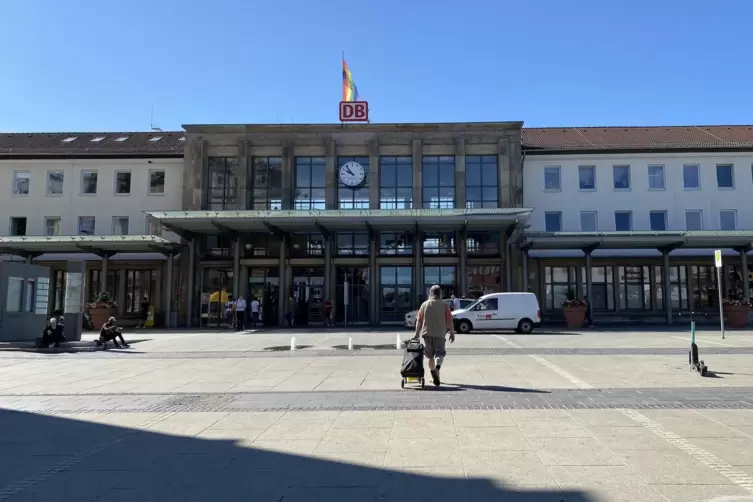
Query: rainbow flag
[350, 91]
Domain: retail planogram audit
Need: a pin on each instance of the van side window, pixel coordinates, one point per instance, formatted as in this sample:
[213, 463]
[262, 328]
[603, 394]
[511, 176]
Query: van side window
[489, 304]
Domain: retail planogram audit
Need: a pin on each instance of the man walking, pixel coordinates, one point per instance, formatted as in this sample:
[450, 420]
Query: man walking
[433, 322]
[240, 313]
[254, 312]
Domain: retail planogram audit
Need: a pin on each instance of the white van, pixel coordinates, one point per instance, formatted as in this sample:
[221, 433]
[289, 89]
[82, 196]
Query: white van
[515, 311]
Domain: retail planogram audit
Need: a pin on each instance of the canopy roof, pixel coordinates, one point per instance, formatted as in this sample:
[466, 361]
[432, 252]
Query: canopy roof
[212, 222]
[97, 244]
[638, 240]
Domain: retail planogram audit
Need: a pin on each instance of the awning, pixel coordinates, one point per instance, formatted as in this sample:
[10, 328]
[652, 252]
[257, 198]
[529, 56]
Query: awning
[101, 245]
[187, 223]
[638, 240]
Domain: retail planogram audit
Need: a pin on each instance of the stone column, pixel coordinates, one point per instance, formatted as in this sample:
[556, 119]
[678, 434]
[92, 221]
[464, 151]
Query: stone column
[503, 160]
[460, 195]
[244, 169]
[237, 267]
[418, 269]
[515, 158]
[374, 174]
[330, 193]
[169, 292]
[666, 286]
[526, 286]
[191, 277]
[282, 300]
[328, 267]
[103, 277]
[462, 278]
[373, 281]
[744, 272]
[288, 175]
[589, 280]
[417, 174]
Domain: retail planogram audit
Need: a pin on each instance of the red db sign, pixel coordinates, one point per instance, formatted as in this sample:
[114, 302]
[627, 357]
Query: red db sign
[354, 111]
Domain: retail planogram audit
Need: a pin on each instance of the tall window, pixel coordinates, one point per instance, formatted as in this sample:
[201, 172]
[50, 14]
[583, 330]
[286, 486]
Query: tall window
[482, 280]
[51, 225]
[120, 225]
[728, 219]
[139, 284]
[656, 178]
[691, 177]
[89, 182]
[310, 183]
[678, 286]
[705, 295]
[602, 287]
[553, 221]
[694, 219]
[588, 221]
[658, 220]
[156, 181]
[623, 221]
[395, 182]
[438, 180]
[222, 189]
[21, 181]
[621, 175]
[635, 288]
[552, 179]
[123, 182]
[442, 243]
[481, 181]
[86, 225]
[352, 244]
[352, 186]
[18, 225]
[482, 243]
[395, 243]
[55, 180]
[306, 244]
[266, 183]
[725, 176]
[557, 281]
[587, 177]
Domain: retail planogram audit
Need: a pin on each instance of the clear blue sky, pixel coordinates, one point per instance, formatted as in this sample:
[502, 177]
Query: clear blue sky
[86, 65]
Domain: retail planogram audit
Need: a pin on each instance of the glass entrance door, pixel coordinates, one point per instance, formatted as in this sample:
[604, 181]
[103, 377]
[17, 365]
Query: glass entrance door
[308, 295]
[264, 286]
[358, 294]
[396, 297]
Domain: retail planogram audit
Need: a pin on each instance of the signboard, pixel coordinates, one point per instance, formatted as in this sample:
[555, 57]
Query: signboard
[718, 258]
[354, 111]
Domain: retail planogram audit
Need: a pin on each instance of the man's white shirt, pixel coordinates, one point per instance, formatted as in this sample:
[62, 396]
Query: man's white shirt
[240, 305]
[255, 306]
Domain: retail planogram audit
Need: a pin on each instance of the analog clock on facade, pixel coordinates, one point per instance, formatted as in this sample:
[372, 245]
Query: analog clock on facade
[352, 174]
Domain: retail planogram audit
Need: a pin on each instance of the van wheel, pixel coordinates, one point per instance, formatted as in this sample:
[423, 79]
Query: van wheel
[525, 326]
[464, 326]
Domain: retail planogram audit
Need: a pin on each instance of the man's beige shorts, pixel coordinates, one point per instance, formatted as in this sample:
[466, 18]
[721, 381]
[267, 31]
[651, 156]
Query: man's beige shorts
[434, 347]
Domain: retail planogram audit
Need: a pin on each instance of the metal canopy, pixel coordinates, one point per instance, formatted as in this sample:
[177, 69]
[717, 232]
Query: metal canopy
[637, 240]
[101, 245]
[367, 220]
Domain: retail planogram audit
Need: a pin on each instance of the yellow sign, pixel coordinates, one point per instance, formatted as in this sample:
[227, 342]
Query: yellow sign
[149, 323]
[718, 258]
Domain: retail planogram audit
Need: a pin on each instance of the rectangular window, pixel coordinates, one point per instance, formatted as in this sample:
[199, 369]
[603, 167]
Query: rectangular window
[55, 180]
[623, 221]
[156, 181]
[352, 182]
[602, 287]
[552, 180]
[120, 225]
[442, 243]
[306, 244]
[553, 221]
[21, 182]
[557, 281]
[18, 225]
[678, 286]
[635, 288]
[656, 178]
[691, 177]
[51, 226]
[395, 243]
[153, 226]
[621, 177]
[588, 221]
[139, 284]
[481, 181]
[438, 180]
[122, 182]
[482, 244]
[483, 279]
[14, 298]
[694, 220]
[259, 244]
[353, 244]
[727, 219]
[266, 183]
[88, 182]
[587, 177]
[30, 294]
[217, 246]
[222, 188]
[395, 182]
[86, 225]
[658, 220]
[310, 183]
[725, 176]
[705, 291]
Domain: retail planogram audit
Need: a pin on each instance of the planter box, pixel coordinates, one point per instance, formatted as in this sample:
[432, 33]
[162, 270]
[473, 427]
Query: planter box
[575, 316]
[737, 315]
[101, 315]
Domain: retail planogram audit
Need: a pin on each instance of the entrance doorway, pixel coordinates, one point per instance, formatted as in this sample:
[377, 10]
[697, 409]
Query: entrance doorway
[308, 294]
[444, 276]
[396, 296]
[358, 294]
[264, 286]
[216, 287]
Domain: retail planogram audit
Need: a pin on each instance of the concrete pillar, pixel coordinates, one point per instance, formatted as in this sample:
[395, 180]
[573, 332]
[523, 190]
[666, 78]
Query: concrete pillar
[373, 281]
[103, 277]
[460, 195]
[29, 259]
[417, 174]
[328, 268]
[503, 160]
[666, 286]
[191, 278]
[282, 300]
[589, 281]
[245, 168]
[515, 158]
[374, 174]
[237, 267]
[169, 292]
[331, 166]
[744, 273]
[288, 175]
[462, 278]
[526, 286]
[506, 251]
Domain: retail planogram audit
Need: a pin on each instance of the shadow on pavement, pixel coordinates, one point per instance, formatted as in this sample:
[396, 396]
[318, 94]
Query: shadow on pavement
[491, 388]
[52, 458]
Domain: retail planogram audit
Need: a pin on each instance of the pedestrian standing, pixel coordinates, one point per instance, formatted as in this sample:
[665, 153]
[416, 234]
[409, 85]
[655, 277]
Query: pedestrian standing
[229, 308]
[455, 303]
[327, 312]
[143, 313]
[254, 312]
[291, 312]
[240, 314]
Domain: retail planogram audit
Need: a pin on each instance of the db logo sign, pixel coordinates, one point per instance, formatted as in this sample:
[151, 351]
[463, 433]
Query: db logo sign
[354, 111]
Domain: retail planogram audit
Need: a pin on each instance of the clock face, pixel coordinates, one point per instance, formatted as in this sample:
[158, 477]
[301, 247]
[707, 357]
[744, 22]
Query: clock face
[352, 174]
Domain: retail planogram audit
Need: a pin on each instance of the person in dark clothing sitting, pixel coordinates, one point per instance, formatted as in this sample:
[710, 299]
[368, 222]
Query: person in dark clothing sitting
[53, 334]
[110, 331]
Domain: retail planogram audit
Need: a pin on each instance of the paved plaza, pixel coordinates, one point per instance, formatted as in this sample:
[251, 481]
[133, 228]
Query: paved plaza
[561, 416]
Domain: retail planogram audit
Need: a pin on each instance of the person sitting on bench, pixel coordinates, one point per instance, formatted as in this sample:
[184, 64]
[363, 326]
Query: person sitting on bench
[110, 331]
[53, 334]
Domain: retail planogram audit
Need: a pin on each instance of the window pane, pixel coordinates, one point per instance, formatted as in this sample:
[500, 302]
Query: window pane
[621, 177]
[157, 182]
[552, 178]
[588, 221]
[693, 220]
[89, 182]
[658, 220]
[55, 183]
[86, 225]
[656, 177]
[553, 222]
[14, 294]
[690, 177]
[728, 219]
[623, 221]
[21, 181]
[724, 176]
[587, 178]
[473, 174]
[123, 183]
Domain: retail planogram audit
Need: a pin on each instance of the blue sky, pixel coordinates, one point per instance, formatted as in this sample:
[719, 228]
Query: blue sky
[85, 65]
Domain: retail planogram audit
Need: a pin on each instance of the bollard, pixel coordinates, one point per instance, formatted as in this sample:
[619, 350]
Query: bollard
[350, 344]
[292, 343]
[398, 342]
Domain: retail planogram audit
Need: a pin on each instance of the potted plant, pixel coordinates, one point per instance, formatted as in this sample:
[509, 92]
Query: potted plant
[102, 309]
[574, 310]
[736, 311]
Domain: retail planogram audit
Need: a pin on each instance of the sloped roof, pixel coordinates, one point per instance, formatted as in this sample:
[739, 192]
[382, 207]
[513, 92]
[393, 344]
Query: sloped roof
[136, 143]
[637, 138]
